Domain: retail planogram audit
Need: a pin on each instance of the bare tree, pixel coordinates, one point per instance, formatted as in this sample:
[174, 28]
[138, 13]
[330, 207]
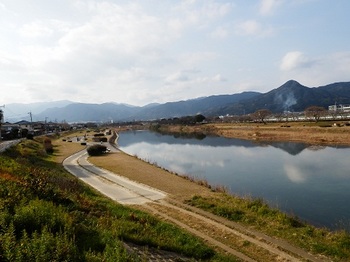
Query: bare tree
[315, 112]
[261, 115]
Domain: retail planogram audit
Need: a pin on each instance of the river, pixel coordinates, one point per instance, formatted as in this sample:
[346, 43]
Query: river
[312, 183]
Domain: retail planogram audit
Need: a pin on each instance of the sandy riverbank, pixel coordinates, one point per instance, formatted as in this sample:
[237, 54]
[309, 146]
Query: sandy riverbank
[310, 133]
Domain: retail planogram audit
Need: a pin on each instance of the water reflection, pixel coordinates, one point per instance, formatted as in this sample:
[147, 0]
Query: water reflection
[313, 183]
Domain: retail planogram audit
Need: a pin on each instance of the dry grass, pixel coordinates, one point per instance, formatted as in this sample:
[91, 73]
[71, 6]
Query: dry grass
[63, 149]
[148, 174]
[311, 133]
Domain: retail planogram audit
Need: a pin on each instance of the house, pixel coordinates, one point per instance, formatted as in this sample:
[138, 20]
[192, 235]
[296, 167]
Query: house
[10, 131]
[24, 124]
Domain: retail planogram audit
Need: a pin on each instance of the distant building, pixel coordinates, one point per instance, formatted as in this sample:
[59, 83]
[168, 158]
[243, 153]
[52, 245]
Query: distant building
[339, 108]
[25, 125]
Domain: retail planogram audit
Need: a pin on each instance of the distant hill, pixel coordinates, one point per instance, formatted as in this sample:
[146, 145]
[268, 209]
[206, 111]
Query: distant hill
[82, 112]
[204, 106]
[18, 111]
[291, 96]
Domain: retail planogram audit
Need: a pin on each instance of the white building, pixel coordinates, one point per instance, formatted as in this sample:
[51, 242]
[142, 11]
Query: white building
[340, 108]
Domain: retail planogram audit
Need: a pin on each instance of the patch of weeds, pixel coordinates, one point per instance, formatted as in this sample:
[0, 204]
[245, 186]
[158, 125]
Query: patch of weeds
[256, 213]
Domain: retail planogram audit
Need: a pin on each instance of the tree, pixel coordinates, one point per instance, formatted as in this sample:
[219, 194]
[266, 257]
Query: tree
[96, 150]
[199, 118]
[315, 112]
[261, 115]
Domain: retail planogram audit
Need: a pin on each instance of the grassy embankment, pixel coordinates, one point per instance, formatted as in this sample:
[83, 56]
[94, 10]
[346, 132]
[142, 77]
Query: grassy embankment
[47, 214]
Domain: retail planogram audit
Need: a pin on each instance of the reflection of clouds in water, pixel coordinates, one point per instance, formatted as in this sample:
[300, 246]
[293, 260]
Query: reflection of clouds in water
[312, 164]
[207, 160]
[294, 174]
[199, 159]
[178, 169]
[184, 155]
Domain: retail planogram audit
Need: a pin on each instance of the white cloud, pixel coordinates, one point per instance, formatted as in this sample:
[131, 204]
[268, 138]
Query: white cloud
[177, 77]
[36, 29]
[252, 27]
[9, 63]
[220, 32]
[199, 13]
[194, 59]
[249, 27]
[295, 60]
[219, 78]
[268, 6]
[314, 71]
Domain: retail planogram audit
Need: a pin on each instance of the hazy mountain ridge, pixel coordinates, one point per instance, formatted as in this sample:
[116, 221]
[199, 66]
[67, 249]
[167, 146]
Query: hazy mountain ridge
[291, 96]
[20, 111]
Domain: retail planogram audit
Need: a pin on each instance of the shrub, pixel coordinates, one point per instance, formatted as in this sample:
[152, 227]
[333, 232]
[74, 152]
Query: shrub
[99, 139]
[38, 214]
[96, 150]
[48, 146]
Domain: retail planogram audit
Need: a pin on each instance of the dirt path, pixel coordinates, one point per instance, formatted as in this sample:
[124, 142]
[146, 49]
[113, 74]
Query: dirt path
[227, 236]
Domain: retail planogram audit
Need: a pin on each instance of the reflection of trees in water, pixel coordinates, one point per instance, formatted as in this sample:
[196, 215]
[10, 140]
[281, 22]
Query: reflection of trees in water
[199, 136]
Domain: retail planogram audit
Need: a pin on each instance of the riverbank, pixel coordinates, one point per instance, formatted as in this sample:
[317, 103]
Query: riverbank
[251, 213]
[246, 213]
[322, 133]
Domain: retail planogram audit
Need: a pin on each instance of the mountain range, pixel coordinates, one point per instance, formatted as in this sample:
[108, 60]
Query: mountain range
[291, 96]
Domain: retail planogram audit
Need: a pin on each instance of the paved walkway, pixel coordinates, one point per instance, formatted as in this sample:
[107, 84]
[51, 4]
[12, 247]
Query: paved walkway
[6, 144]
[112, 185]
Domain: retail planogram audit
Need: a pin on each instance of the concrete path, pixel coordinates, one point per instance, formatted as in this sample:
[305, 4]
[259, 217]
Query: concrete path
[110, 184]
[6, 144]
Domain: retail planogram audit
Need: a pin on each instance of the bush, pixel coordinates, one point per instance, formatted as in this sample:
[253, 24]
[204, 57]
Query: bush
[99, 139]
[48, 146]
[96, 150]
[30, 136]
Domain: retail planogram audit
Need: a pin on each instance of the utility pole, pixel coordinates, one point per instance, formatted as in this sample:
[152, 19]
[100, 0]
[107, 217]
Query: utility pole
[31, 121]
[46, 125]
[1, 119]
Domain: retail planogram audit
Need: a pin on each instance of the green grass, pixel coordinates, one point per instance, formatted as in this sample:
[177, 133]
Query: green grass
[256, 213]
[47, 214]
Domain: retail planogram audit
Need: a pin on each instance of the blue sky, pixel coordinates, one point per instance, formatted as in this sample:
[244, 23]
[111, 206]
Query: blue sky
[147, 51]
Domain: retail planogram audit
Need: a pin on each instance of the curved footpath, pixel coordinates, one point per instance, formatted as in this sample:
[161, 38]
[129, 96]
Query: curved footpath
[116, 187]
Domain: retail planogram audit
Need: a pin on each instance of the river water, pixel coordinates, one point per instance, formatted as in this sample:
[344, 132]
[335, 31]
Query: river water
[312, 183]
